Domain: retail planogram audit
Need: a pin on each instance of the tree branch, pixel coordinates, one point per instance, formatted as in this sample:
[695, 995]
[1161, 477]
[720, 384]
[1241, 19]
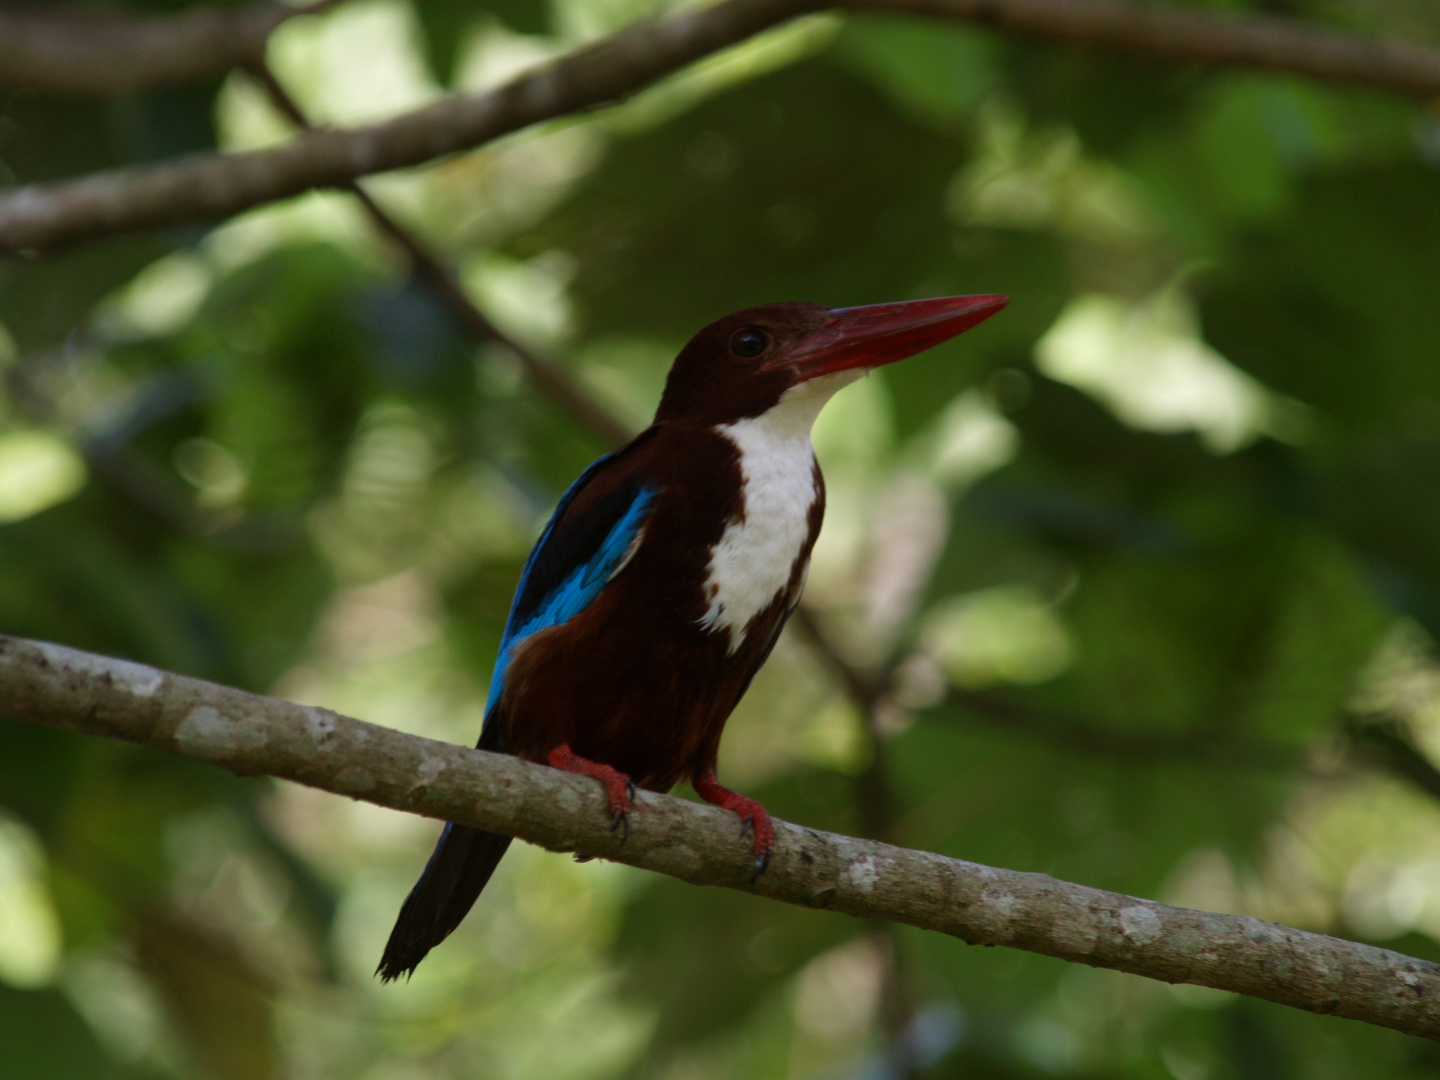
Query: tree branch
[208, 187]
[255, 735]
[877, 803]
[1386, 743]
[1163, 31]
[87, 52]
[548, 376]
[1201, 747]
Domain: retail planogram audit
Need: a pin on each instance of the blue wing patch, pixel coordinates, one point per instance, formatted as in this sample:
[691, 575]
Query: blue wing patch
[569, 567]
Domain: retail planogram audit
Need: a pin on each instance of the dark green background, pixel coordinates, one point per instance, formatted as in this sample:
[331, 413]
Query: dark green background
[308, 482]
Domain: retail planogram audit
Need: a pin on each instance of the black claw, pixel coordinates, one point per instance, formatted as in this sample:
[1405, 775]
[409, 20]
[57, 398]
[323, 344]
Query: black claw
[747, 825]
[622, 818]
[761, 862]
[630, 789]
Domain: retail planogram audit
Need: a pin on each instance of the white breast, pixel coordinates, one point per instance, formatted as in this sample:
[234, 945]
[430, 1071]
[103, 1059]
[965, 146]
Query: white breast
[755, 556]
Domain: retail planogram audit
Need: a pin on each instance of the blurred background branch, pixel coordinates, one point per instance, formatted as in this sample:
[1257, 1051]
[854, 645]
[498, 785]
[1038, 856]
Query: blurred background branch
[200, 189]
[207, 188]
[56, 50]
[1160, 32]
[430, 270]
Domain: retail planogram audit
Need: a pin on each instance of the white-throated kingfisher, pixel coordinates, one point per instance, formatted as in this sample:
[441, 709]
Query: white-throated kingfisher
[664, 576]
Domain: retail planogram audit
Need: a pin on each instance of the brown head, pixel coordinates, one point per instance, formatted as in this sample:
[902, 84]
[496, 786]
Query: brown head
[741, 365]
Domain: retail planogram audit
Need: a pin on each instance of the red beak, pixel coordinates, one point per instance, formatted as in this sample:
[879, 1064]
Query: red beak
[867, 337]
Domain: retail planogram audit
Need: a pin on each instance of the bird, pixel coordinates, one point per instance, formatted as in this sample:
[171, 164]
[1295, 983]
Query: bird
[663, 578]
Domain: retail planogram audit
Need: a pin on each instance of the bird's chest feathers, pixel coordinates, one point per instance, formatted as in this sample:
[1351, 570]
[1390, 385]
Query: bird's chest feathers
[755, 557]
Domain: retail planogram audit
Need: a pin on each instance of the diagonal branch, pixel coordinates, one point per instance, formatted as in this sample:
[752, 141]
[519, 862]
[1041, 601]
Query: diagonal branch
[209, 187]
[440, 279]
[878, 811]
[251, 734]
[88, 52]
[1386, 742]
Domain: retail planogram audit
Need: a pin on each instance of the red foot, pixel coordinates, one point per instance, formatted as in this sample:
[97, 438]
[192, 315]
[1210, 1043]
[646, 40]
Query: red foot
[752, 816]
[618, 786]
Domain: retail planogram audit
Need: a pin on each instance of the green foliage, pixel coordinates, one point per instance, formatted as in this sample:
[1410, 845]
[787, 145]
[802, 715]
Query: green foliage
[1145, 552]
[44, 1038]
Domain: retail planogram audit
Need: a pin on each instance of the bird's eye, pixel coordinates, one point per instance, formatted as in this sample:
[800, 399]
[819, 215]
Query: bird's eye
[749, 342]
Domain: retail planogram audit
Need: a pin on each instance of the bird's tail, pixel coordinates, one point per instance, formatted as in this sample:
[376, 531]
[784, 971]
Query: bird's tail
[461, 865]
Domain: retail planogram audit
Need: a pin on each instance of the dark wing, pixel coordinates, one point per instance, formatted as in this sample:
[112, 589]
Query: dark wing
[576, 556]
[573, 561]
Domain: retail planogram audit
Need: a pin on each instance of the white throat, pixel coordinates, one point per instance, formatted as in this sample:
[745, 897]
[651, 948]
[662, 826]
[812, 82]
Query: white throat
[753, 561]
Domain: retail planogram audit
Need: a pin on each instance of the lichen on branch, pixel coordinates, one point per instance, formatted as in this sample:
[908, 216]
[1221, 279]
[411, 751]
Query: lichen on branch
[256, 735]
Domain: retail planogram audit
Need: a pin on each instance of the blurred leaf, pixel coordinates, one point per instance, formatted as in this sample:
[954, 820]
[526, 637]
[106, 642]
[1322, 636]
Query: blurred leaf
[448, 25]
[799, 185]
[221, 1005]
[934, 71]
[1332, 305]
[42, 1037]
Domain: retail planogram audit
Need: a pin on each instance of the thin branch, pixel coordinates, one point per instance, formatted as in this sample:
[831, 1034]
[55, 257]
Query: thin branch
[548, 376]
[1386, 742]
[84, 52]
[1091, 737]
[866, 690]
[89, 52]
[104, 442]
[255, 735]
[1166, 31]
[209, 187]
[878, 813]
[877, 800]
[1376, 741]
